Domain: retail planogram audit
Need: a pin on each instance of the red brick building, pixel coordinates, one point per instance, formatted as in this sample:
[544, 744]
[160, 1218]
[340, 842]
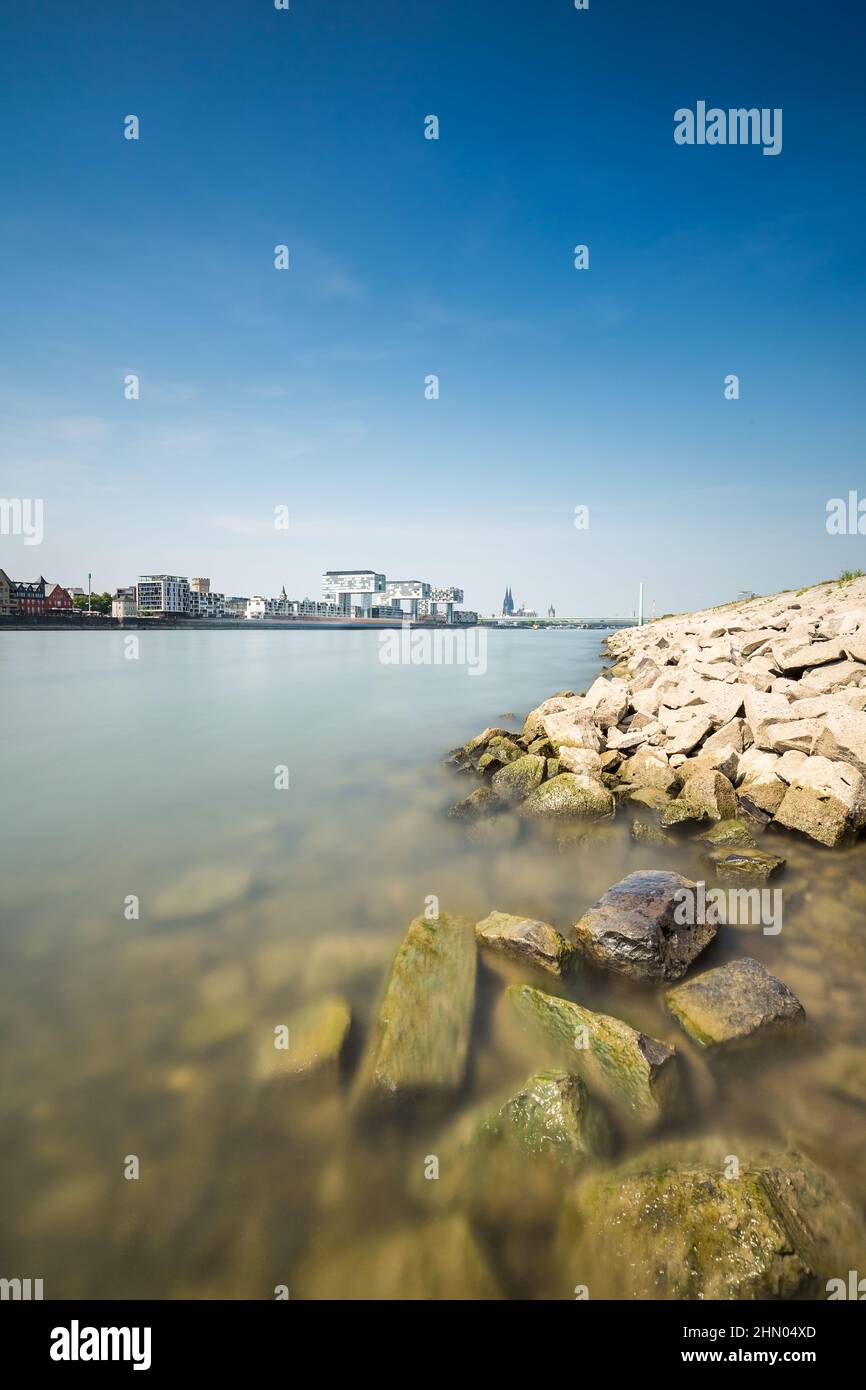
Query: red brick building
[57, 599]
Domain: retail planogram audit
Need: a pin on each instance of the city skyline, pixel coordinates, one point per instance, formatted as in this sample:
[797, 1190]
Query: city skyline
[558, 388]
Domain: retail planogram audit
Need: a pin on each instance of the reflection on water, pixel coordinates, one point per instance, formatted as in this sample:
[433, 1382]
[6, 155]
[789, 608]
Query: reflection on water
[156, 779]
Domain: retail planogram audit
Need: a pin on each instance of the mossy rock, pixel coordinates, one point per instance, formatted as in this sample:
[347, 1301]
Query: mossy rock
[514, 782]
[479, 804]
[527, 941]
[733, 1004]
[316, 1034]
[637, 1073]
[504, 1164]
[542, 747]
[420, 1042]
[744, 865]
[729, 834]
[498, 753]
[569, 796]
[645, 832]
[684, 1231]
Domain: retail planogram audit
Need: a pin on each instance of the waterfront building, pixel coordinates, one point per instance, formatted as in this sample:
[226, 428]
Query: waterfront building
[5, 595]
[163, 593]
[28, 597]
[234, 606]
[415, 590]
[205, 603]
[57, 599]
[317, 608]
[124, 604]
[350, 589]
[447, 594]
[199, 586]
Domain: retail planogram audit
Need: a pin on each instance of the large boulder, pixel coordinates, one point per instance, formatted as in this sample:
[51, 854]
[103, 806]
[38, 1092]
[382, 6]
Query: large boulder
[634, 928]
[635, 1072]
[826, 801]
[733, 1003]
[526, 940]
[663, 1229]
[570, 795]
[420, 1041]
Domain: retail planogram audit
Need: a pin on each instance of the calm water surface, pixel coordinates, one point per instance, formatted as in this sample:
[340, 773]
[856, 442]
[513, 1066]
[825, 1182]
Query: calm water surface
[120, 1037]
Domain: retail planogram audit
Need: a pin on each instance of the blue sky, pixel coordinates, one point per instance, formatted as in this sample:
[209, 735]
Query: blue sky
[559, 387]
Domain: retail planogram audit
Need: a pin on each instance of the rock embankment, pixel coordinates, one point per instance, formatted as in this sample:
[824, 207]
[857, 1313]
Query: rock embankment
[753, 712]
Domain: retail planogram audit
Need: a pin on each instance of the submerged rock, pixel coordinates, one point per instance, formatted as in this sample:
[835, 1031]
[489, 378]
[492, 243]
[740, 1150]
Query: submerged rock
[420, 1041]
[551, 1115]
[480, 803]
[200, 892]
[504, 1164]
[744, 865]
[526, 940]
[633, 928]
[687, 1231]
[734, 1002]
[316, 1035]
[436, 1260]
[732, 833]
[637, 1073]
[570, 794]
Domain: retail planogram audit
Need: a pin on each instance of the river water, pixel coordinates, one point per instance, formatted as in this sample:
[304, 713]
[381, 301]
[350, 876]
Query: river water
[135, 1038]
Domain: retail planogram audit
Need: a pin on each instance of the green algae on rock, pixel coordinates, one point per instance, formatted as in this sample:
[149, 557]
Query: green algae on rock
[314, 1040]
[420, 1041]
[732, 1003]
[744, 865]
[552, 1114]
[688, 1231]
[481, 802]
[526, 1143]
[524, 939]
[732, 833]
[518, 778]
[637, 1073]
[569, 794]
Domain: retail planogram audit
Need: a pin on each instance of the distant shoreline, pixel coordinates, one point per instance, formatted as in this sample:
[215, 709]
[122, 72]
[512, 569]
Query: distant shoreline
[102, 624]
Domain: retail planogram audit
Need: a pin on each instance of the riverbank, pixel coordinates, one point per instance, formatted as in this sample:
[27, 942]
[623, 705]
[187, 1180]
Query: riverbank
[756, 710]
[714, 735]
